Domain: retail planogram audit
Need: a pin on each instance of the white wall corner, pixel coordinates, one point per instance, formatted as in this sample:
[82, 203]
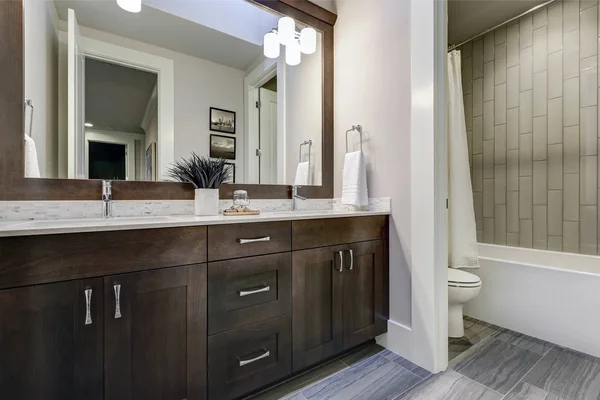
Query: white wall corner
[428, 344]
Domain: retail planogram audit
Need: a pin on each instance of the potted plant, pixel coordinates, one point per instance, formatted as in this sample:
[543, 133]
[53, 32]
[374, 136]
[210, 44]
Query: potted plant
[206, 175]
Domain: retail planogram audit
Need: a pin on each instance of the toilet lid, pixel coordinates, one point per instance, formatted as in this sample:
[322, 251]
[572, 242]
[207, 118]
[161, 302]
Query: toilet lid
[462, 277]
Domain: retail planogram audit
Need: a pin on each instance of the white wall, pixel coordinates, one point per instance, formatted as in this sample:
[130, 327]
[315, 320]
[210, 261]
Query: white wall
[372, 88]
[199, 85]
[304, 113]
[41, 80]
[387, 74]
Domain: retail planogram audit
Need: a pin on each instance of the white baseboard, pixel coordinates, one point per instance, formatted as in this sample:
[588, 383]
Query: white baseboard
[398, 339]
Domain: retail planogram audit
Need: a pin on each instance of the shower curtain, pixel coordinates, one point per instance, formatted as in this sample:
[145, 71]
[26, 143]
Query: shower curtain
[462, 240]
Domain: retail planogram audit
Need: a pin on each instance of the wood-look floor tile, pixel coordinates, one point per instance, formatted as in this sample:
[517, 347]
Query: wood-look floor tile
[567, 374]
[301, 381]
[362, 353]
[414, 368]
[497, 365]
[392, 384]
[450, 385]
[475, 332]
[296, 396]
[525, 391]
[523, 341]
[373, 378]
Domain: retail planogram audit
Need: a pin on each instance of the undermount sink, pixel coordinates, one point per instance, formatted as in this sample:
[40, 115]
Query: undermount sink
[91, 221]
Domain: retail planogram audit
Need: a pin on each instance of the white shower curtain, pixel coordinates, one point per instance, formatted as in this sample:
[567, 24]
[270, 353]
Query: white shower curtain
[462, 241]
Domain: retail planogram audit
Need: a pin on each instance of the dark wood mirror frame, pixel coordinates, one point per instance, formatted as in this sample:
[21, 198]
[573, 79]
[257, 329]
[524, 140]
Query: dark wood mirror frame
[13, 185]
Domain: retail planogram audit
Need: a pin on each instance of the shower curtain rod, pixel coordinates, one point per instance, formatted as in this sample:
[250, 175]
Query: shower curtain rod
[454, 46]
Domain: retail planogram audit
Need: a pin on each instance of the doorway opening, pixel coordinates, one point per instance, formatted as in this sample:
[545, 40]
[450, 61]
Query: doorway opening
[267, 132]
[107, 161]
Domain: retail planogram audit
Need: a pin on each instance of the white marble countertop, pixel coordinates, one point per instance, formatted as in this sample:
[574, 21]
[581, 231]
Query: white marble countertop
[48, 227]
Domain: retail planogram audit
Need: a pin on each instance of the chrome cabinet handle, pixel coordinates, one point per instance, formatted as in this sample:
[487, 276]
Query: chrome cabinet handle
[246, 362]
[260, 239]
[117, 289]
[88, 302]
[351, 260]
[254, 291]
[341, 253]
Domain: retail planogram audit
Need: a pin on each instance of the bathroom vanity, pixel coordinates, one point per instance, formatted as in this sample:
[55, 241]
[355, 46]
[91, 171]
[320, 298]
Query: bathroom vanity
[214, 310]
[185, 308]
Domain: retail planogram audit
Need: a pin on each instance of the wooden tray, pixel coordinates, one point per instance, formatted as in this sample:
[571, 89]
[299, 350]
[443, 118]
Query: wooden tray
[230, 213]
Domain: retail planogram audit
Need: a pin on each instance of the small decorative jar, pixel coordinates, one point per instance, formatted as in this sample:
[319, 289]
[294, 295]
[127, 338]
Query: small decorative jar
[240, 199]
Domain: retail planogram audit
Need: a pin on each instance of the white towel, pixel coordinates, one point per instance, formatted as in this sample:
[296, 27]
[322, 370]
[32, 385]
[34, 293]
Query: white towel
[32, 169]
[302, 173]
[354, 191]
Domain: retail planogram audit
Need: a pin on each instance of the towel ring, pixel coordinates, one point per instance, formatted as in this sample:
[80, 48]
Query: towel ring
[355, 128]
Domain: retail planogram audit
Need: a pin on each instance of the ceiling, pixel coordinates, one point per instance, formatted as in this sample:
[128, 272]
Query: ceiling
[116, 97]
[467, 18]
[199, 28]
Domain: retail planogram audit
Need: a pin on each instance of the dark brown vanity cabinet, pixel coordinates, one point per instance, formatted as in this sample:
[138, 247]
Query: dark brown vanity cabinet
[189, 313]
[51, 343]
[155, 324]
[338, 299]
[133, 336]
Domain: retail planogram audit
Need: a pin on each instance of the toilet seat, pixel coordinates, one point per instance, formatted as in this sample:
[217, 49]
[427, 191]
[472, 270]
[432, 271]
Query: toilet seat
[459, 278]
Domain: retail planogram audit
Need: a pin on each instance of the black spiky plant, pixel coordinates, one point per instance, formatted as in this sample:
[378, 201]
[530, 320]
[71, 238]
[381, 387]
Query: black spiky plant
[202, 172]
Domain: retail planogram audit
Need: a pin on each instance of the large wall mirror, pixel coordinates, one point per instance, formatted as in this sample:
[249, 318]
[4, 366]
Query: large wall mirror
[113, 94]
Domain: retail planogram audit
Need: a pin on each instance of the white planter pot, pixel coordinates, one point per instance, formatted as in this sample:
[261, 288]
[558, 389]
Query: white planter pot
[206, 202]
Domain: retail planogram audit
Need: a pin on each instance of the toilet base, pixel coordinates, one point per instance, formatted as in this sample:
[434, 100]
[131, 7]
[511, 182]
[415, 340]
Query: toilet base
[456, 327]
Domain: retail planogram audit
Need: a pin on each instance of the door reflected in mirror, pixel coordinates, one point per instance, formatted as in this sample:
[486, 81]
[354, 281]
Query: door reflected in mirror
[122, 95]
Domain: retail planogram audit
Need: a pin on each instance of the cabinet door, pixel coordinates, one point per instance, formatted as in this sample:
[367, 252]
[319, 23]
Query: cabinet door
[156, 334]
[316, 305]
[364, 293]
[50, 347]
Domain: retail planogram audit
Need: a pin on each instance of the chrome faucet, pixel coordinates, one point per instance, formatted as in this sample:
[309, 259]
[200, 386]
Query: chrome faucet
[296, 196]
[106, 199]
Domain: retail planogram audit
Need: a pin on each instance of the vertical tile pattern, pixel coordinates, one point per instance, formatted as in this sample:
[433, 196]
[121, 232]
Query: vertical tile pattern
[588, 32]
[555, 27]
[533, 129]
[571, 54]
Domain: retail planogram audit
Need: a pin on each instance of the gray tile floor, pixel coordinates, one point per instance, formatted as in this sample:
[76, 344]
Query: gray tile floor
[494, 364]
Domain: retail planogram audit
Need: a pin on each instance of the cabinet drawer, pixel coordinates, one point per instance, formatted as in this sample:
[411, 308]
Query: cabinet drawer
[52, 258]
[245, 359]
[308, 234]
[243, 240]
[247, 290]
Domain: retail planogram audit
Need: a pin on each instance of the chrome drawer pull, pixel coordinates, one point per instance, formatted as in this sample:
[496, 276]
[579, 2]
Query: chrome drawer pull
[117, 301]
[255, 291]
[246, 362]
[341, 253]
[88, 302]
[260, 239]
[351, 260]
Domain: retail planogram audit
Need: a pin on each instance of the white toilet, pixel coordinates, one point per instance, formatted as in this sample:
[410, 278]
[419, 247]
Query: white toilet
[462, 288]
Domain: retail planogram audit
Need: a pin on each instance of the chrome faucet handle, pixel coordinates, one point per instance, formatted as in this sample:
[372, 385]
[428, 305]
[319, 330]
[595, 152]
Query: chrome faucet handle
[295, 192]
[106, 199]
[106, 190]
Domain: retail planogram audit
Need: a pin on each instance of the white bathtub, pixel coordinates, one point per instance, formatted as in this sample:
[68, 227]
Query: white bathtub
[549, 295]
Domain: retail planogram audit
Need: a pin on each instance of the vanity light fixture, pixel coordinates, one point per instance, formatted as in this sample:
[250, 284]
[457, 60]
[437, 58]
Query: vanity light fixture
[133, 6]
[295, 42]
[89, 124]
[272, 47]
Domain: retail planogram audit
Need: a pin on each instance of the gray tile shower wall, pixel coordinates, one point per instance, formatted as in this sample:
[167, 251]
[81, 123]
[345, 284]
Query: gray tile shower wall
[531, 107]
